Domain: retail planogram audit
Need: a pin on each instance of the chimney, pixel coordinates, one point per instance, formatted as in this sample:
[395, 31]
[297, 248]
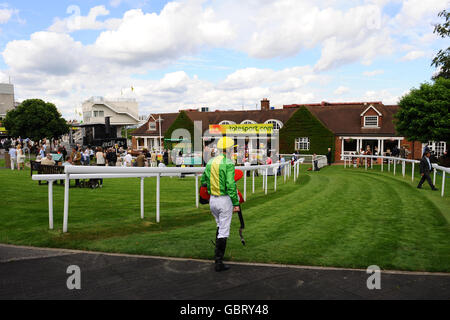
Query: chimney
[265, 104]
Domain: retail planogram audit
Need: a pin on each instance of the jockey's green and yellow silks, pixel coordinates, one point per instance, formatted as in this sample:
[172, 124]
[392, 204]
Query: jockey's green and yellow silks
[219, 178]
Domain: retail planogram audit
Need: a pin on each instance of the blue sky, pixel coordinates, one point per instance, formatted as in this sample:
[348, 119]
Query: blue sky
[221, 54]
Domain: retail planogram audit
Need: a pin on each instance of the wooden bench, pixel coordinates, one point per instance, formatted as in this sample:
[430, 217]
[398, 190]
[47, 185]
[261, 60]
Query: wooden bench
[45, 169]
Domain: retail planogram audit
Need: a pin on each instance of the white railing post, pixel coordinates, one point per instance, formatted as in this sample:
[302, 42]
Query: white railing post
[245, 185]
[434, 176]
[276, 175]
[253, 181]
[389, 165]
[412, 173]
[196, 191]
[403, 168]
[443, 183]
[142, 198]
[50, 205]
[382, 162]
[66, 202]
[395, 166]
[158, 191]
[263, 180]
[267, 175]
[365, 163]
[284, 172]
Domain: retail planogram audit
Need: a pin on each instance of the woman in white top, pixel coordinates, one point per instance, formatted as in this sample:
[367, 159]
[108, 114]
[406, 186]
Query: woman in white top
[100, 157]
[100, 161]
[20, 158]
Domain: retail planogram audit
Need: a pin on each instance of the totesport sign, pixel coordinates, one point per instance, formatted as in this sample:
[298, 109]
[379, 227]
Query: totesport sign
[232, 129]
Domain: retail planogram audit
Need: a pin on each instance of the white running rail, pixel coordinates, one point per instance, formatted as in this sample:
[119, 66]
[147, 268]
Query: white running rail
[392, 162]
[93, 172]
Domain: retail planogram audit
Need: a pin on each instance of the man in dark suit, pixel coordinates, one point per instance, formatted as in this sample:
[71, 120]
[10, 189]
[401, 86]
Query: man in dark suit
[425, 170]
[329, 156]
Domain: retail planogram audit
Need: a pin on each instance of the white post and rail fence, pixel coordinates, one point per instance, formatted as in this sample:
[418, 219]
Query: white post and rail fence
[392, 162]
[86, 172]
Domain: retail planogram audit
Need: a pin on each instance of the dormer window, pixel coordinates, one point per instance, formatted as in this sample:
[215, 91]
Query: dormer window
[371, 118]
[152, 126]
[371, 121]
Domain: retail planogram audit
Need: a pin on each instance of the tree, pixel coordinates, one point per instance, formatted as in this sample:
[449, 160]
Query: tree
[424, 113]
[35, 119]
[442, 59]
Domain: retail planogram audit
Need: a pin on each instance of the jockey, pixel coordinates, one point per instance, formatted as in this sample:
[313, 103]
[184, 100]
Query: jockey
[219, 180]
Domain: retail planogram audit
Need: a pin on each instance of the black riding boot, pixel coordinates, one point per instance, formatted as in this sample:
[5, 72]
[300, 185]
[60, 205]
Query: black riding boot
[221, 245]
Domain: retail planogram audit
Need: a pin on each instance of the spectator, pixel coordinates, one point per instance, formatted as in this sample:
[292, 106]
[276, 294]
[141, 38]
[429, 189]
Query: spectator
[127, 160]
[101, 162]
[42, 151]
[329, 156]
[166, 157]
[87, 156]
[100, 156]
[153, 159]
[425, 170]
[76, 157]
[111, 157]
[13, 156]
[48, 160]
[140, 160]
[20, 158]
[68, 162]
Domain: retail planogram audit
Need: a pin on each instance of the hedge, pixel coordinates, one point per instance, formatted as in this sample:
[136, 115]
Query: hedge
[304, 124]
[181, 122]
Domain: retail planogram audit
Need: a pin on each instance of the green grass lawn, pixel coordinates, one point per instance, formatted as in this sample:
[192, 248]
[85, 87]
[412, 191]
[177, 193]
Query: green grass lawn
[336, 217]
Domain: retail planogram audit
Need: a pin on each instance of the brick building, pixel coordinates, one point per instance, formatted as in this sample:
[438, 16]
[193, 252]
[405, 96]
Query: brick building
[306, 129]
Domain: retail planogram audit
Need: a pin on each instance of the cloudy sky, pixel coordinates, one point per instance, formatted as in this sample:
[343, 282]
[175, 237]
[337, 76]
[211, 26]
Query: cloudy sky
[225, 54]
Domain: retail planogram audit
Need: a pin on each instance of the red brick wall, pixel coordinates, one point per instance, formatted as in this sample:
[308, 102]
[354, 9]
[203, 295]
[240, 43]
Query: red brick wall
[337, 149]
[134, 143]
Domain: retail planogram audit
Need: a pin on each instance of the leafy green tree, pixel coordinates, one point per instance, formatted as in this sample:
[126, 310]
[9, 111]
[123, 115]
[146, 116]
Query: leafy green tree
[35, 119]
[424, 113]
[442, 59]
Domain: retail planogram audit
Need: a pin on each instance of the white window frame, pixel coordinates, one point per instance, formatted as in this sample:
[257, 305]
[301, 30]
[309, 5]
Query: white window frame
[278, 122]
[438, 147]
[302, 144]
[371, 125]
[226, 122]
[152, 126]
[248, 122]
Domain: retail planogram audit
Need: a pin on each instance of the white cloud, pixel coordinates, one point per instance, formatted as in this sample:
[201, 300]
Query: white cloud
[341, 90]
[52, 65]
[373, 73]
[6, 14]
[45, 52]
[144, 37]
[77, 22]
[115, 3]
[384, 95]
[413, 55]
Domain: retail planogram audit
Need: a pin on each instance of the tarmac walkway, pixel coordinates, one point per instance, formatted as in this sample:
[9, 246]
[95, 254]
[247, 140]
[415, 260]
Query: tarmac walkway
[31, 273]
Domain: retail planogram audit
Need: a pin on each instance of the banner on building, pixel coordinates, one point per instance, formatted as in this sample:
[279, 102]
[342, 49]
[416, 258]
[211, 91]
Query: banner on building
[245, 129]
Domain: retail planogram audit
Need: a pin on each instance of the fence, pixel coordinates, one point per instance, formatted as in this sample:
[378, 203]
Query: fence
[393, 161]
[307, 158]
[80, 172]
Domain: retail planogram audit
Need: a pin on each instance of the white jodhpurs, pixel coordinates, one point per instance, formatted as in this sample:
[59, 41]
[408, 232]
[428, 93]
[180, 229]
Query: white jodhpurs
[222, 210]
